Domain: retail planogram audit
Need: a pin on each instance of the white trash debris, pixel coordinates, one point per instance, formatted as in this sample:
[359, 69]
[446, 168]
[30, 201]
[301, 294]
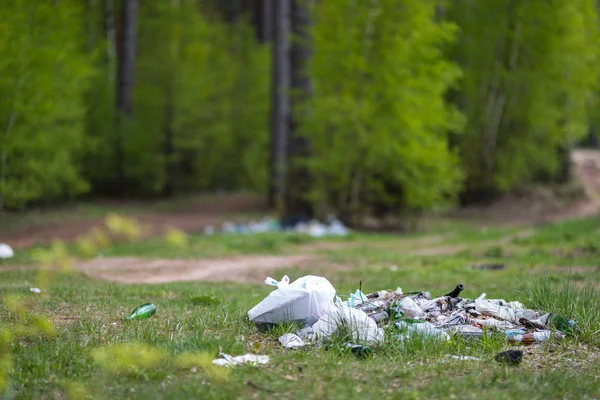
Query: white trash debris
[304, 301]
[460, 358]
[494, 323]
[361, 327]
[334, 227]
[317, 230]
[291, 341]
[493, 309]
[6, 251]
[337, 228]
[229, 361]
[35, 290]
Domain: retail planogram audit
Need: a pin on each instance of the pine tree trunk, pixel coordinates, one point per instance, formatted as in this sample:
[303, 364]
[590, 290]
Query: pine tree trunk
[280, 103]
[265, 20]
[125, 73]
[298, 177]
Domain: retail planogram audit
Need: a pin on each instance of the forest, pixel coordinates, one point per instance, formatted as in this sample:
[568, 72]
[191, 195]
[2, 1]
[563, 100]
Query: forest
[351, 107]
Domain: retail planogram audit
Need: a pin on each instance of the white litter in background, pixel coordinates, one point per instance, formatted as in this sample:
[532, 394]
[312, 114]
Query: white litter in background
[35, 290]
[229, 361]
[6, 251]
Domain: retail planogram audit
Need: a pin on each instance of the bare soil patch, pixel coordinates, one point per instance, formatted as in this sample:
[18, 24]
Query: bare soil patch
[544, 204]
[140, 270]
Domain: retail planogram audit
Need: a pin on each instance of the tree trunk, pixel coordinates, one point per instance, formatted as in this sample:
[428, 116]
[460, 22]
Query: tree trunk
[109, 20]
[170, 98]
[280, 103]
[298, 175]
[126, 63]
[265, 20]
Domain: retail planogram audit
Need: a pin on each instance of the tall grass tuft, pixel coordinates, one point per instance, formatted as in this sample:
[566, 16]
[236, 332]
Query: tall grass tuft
[572, 301]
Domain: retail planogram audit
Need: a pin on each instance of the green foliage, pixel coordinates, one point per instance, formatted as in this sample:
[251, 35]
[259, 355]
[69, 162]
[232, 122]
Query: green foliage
[44, 74]
[200, 116]
[378, 118]
[410, 100]
[530, 75]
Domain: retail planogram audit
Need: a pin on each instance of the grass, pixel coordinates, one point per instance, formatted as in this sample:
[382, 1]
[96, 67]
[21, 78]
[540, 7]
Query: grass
[95, 354]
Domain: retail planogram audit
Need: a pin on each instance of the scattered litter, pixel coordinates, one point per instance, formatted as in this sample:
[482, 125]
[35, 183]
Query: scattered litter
[6, 251]
[460, 358]
[466, 358]
[291, 341]
[513, 357]
[229, 361]
[333, 227]
[142, 312]
[35, 290]
[303, 301]
[364, 319]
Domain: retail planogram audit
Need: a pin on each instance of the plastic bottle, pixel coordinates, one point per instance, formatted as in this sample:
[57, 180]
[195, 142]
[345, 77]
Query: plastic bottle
[424, 328]
[410, 308]
[536, 337]
[144, 311]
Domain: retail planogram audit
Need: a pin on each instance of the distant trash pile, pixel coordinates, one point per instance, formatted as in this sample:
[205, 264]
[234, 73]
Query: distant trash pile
[374, 318]
[333, 227]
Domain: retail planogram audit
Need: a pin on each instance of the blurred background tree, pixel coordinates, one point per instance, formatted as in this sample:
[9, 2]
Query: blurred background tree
[340, 106]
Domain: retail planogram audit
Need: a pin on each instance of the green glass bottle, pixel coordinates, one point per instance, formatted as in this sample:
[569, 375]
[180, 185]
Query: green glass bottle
[142, 312]
[361, 351]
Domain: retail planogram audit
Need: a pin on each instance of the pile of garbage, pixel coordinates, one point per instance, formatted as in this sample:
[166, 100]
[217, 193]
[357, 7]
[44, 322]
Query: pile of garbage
[312, 303]
[333, 227]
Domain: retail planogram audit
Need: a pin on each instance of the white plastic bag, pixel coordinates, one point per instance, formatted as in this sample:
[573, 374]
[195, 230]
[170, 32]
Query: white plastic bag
[305, 300]
[361, 327]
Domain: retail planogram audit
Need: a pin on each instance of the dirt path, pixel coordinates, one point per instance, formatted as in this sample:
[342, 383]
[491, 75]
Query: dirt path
[240, 269]
[253, 268]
